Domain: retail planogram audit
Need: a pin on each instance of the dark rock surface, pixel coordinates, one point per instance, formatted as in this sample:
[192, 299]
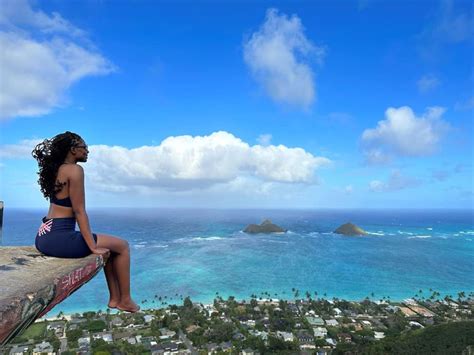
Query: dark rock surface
[350, 229]
[31, 284]
[266, 227]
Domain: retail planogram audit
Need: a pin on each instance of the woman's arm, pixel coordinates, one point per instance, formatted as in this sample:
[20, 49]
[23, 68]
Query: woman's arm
[77, 195]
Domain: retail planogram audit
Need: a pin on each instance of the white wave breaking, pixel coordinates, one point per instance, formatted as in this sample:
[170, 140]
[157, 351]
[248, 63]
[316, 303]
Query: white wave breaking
[198, 239]
[379, 233]
[145, 245]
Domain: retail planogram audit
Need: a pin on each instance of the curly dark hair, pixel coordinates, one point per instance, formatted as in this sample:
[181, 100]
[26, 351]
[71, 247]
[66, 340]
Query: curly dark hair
[50, 154]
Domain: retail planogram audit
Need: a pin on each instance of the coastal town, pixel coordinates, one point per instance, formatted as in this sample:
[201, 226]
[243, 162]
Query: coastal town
[260, 325]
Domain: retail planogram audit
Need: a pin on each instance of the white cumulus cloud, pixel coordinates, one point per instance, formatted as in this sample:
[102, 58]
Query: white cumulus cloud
[403, 133]
[187, 162]
[278, 55]
[42, 56]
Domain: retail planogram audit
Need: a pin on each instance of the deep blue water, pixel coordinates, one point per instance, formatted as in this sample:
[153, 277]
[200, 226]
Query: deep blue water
[200, 252]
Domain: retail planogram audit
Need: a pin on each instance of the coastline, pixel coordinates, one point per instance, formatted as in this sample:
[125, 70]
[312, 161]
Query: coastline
[144, 307]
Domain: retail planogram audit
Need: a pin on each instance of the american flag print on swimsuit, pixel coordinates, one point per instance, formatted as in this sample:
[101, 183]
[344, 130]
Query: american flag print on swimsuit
[45, 227]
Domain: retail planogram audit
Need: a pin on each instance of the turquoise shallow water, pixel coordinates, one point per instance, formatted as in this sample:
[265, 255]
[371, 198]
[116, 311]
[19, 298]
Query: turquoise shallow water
[200, 252]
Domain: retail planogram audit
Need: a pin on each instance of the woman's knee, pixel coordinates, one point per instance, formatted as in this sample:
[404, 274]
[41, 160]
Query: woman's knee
[126, 246]
[115, 244]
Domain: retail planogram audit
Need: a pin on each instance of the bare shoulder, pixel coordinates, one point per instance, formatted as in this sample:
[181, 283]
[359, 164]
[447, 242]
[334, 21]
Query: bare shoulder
[73, 170]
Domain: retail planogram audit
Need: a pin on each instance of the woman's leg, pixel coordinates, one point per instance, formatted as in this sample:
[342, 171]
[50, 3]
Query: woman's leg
[120, 269]
[112, 282]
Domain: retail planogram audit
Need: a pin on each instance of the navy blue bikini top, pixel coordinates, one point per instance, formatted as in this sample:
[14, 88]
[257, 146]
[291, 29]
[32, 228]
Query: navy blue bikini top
[66, 202]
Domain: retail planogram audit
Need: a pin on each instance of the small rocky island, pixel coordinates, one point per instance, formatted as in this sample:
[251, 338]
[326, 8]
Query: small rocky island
[266, 227]
[350, 229]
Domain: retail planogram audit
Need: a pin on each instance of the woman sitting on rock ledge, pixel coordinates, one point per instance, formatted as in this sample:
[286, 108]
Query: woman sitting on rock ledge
[62, 181]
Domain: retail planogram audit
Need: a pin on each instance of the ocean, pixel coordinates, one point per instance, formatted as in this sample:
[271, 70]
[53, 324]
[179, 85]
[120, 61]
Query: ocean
[202, 253]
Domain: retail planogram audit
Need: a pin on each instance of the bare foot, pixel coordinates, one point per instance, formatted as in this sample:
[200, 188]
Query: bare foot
[130, 306]
[112, 304]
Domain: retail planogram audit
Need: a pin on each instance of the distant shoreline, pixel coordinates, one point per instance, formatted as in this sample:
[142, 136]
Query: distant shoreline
[308, 209]
[247, 300]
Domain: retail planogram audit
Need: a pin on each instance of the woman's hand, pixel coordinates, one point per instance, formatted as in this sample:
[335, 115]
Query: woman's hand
[100, 251]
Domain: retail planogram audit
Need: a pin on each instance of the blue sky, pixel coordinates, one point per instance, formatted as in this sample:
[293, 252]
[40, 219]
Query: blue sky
[306, 104]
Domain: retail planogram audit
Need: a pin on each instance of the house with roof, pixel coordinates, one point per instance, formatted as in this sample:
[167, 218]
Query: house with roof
[106, 336]
[422, 311]
[147, 342]
[159, 349]
[19, 350]
[305, 337]
[286, 336]
[131, 340]
[148, 318]
[43, 347]
[410, 301]
[261, 334]
[116, 321]
[332, 323]
[320, 332]
[166, 333]
[209, 308]
[84, 342]
[315, 321]
[57, 327]
[407, 312]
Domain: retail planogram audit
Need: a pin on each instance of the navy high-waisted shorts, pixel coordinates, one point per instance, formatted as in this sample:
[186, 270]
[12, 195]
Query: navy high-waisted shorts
[58, 237]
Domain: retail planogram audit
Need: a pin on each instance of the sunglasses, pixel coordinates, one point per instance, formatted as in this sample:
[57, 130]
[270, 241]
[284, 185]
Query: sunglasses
[82, 146]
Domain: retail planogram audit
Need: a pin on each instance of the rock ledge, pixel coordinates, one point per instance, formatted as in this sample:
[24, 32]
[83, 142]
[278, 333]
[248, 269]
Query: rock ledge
[31, 284]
